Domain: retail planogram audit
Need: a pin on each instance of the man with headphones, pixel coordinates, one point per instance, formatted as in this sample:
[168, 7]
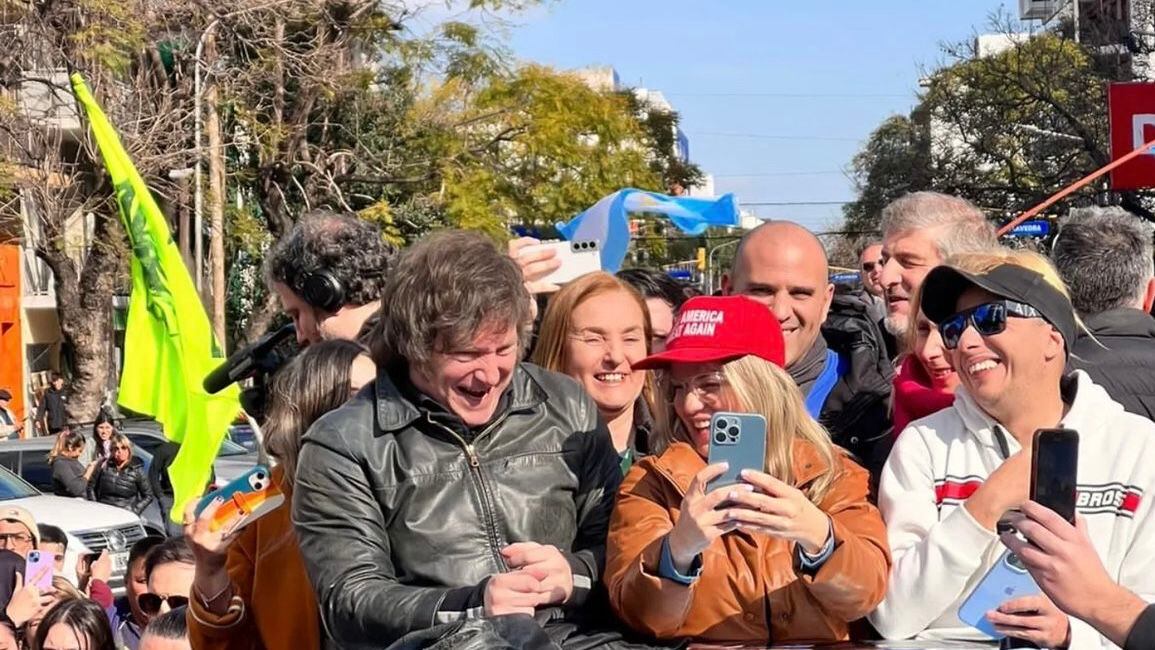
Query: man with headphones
[328, 272]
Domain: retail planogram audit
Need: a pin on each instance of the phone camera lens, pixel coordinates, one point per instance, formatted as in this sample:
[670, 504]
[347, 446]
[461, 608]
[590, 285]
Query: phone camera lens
[734, 432]
[260, 476]
[720, 438]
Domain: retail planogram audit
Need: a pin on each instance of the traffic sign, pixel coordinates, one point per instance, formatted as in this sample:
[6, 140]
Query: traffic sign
[1032, 228]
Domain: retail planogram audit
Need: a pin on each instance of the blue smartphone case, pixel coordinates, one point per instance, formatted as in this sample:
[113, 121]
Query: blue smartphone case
[255, 480]
[740, 440]
[1006, 580]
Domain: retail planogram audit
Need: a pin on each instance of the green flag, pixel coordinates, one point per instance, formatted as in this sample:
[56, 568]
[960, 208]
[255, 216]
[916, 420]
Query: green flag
[169, 344]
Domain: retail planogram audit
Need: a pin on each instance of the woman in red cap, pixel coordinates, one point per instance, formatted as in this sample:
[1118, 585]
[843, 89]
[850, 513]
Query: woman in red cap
[791, 554]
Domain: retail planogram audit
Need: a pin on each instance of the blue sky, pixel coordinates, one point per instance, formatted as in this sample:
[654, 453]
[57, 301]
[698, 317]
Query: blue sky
[814, 76]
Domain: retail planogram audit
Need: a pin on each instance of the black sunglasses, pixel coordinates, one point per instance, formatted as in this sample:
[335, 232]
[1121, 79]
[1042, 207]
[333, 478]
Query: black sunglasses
[150, 603]
[868, 267]
[988, 319]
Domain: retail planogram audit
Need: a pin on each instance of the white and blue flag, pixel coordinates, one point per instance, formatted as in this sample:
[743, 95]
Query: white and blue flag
[607, 222]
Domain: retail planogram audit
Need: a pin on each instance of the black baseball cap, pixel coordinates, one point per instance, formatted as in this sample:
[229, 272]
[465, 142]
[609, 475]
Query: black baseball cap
[944, 285]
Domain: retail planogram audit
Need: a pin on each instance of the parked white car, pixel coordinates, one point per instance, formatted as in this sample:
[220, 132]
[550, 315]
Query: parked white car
[91, 527]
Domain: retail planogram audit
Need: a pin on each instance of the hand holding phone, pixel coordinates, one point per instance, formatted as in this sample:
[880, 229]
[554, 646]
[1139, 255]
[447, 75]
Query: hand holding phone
[244, 500]
[575, 259]
[1006, 580]
[39, 569]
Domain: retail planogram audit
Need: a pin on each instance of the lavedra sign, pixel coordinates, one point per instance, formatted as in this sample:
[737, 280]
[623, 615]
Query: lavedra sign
[1033, 228]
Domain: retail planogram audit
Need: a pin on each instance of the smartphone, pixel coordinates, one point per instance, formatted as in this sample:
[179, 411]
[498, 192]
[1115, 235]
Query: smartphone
[1007, 579]
[740, 440]
[244, 500]
[39, 568]
[1054, 471]
[577, 259]
[87, 559]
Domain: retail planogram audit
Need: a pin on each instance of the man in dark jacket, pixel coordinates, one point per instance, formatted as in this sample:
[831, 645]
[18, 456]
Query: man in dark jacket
[1105, 257]
[843, 372]
[462, 484]
[52, 415]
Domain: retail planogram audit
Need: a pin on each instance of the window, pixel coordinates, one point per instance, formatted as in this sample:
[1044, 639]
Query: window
[36, 470]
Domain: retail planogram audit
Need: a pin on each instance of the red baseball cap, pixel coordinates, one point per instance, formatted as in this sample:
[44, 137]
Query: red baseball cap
[719, 329]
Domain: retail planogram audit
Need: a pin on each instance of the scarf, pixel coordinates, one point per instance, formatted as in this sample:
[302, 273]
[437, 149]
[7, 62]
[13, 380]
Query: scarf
[808, 367]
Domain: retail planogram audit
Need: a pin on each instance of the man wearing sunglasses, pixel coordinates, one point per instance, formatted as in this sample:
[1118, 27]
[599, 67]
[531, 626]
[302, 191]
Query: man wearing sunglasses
[953, 475]
[169, 570]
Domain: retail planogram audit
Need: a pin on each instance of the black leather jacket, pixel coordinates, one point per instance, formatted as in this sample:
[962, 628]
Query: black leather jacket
[401, 519]
[124, 488]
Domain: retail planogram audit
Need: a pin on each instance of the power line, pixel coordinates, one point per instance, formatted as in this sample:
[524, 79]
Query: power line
[770, 136]
[837, 172]
[797, 95]
[788, 203]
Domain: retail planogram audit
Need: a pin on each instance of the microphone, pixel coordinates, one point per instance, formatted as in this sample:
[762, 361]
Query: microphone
[248, 361]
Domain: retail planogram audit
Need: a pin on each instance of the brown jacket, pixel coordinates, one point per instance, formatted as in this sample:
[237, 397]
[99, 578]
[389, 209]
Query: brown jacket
[750, 588]
[273, 605]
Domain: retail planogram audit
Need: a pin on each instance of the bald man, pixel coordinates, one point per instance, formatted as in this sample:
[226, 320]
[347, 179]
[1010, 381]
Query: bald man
[842, 369]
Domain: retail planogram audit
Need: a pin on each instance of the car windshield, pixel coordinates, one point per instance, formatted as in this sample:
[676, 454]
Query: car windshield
[14, 487]
[230, 448]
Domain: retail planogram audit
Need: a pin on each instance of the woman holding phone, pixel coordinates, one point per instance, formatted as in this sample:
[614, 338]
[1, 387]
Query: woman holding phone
[69, 476]
[793, 552]
[250, 588]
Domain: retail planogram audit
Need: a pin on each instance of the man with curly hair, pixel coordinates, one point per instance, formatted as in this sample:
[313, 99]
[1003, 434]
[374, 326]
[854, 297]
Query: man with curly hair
[328, 273]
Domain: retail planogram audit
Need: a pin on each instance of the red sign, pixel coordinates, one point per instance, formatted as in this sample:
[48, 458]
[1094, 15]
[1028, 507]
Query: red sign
[1132, 110]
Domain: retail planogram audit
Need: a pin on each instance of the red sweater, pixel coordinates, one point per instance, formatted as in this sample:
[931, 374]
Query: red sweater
[915, 396]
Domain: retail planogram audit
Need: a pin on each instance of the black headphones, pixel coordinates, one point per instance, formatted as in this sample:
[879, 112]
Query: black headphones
[322, 290]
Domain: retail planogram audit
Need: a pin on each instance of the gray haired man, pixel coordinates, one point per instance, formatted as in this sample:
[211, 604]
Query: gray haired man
[462, 486]
[1105, 257]
[919, 231]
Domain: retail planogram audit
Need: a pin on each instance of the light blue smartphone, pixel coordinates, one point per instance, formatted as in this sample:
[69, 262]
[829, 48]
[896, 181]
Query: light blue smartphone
[740, 440]
[1007, 579]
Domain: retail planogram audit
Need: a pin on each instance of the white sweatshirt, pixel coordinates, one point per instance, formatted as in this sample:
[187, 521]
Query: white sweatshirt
[940, 552]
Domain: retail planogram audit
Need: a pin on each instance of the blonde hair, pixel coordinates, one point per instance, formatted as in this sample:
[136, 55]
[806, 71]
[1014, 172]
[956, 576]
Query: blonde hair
[763, 388]
[984, 262]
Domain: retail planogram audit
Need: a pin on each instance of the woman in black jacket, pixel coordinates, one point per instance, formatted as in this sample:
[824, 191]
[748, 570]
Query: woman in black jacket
[69, 476]
[121, 479]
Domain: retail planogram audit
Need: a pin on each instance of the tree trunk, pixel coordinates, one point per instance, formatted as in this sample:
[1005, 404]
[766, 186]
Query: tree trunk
[216, 203]
[84, 307]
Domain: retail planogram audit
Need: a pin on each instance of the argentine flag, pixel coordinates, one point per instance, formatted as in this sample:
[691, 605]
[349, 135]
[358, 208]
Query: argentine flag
[607, 222]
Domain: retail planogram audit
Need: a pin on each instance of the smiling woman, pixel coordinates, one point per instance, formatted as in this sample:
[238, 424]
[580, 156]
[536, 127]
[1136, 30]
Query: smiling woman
[594, 330]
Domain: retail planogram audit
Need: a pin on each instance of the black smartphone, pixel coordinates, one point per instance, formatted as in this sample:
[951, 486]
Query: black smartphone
[87, 559]
[1054, 470]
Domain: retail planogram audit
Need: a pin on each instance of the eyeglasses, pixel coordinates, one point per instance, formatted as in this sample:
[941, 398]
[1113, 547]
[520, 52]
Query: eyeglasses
[707, 387]
[10, 539]
[150, 603]
[988, 319]
[869, 267]
[121, 448]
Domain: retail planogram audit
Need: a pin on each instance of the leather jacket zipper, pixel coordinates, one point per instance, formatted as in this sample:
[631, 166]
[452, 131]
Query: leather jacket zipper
[486, 497]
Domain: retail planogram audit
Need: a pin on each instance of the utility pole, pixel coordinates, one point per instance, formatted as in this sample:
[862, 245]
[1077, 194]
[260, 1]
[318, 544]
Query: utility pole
[216, 194]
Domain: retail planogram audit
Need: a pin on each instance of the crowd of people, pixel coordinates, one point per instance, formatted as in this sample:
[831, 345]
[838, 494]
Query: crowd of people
[46, 611]
[474, 457]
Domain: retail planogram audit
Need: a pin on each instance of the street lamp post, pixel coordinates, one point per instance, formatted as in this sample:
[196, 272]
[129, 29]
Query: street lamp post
[710, 288]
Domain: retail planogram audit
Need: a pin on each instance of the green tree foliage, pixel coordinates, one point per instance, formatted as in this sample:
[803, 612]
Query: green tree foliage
[1005, 131]
[894, 161]
[536, 147]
